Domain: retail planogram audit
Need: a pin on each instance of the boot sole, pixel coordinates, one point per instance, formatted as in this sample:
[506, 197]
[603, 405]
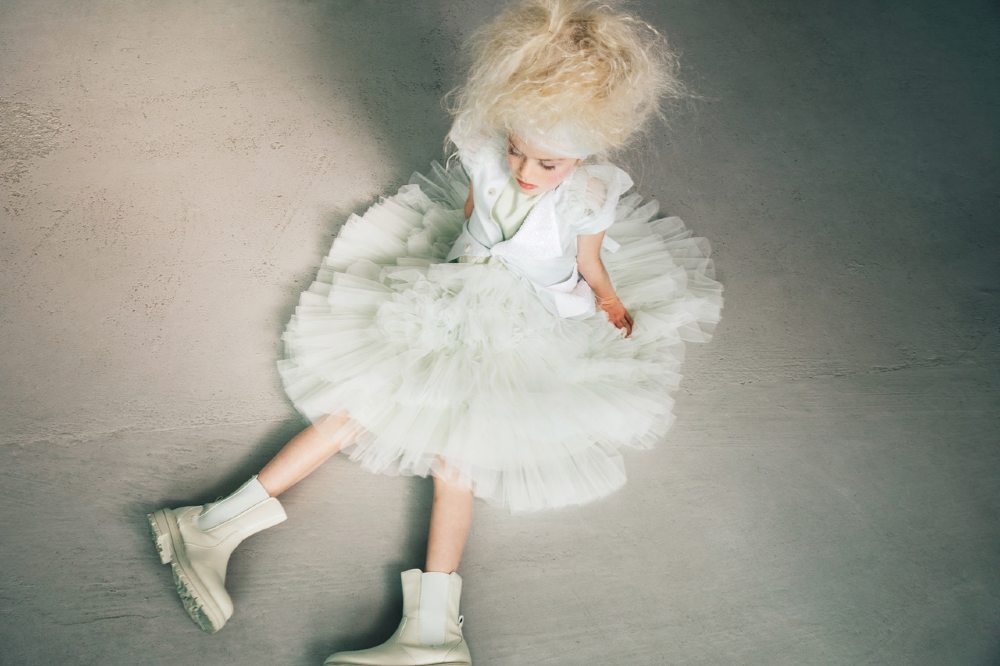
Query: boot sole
[197, 601]
[341, 662]
[436, 663]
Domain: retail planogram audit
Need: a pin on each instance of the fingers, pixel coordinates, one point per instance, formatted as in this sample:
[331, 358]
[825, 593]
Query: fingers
[626, 322]
[621, 319]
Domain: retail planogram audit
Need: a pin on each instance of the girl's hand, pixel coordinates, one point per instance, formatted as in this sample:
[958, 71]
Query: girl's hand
[617, 314]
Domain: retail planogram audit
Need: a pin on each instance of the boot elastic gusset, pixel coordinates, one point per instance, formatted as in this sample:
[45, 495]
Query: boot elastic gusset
[405, 647]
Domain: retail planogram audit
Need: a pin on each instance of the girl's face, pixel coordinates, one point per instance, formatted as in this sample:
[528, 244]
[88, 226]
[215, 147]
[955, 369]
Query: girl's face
[534, 171]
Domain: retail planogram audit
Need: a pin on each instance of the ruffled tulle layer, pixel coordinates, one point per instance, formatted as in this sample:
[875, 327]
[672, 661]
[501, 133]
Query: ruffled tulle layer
[458, 369]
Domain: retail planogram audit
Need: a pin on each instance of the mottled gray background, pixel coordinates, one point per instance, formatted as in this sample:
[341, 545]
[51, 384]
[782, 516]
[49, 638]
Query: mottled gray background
[172, 173]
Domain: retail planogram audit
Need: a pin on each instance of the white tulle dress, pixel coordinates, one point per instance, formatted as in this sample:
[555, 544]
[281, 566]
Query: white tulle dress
[427, 366]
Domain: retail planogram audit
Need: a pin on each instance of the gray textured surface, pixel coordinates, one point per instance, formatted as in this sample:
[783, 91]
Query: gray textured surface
[172, 172]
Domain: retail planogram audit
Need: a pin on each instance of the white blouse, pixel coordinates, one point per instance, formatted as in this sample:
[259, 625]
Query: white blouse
[510, 210]
[544, 247]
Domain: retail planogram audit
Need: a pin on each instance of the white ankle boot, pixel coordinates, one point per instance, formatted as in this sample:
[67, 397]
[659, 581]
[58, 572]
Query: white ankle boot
[430, 632]
[198, 551]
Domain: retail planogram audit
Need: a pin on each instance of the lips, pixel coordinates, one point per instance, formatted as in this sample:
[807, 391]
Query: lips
[524, 184]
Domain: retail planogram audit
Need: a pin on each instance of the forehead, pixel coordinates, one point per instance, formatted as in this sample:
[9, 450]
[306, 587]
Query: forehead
[533, 152]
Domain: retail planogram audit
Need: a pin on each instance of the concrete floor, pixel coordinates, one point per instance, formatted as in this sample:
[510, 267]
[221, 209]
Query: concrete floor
[172, 173]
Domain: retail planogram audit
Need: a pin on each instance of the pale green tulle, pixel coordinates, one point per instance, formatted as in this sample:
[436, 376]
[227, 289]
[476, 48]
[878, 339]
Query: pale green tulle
[461, 363]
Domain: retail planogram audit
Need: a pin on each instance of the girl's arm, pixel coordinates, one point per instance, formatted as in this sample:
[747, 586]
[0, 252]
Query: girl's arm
[588, 262]
[468, 202]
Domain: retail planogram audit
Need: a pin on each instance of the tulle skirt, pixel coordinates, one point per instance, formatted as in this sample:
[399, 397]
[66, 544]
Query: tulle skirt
[423, 367]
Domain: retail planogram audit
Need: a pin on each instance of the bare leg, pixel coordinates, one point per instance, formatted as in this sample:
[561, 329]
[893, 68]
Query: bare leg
[301, 456]
[451, 518]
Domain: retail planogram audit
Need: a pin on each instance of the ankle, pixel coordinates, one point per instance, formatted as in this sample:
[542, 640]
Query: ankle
[247, 496]
[272, 488]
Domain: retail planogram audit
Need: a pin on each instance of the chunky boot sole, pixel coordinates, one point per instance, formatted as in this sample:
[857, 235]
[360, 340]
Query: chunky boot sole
[330, 661]
[436, 663]
[194, 595]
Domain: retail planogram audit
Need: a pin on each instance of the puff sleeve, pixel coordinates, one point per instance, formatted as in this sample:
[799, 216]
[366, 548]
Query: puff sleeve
[597, 197]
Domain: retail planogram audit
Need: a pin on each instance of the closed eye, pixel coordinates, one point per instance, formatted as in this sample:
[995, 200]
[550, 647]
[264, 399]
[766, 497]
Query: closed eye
[514, 152]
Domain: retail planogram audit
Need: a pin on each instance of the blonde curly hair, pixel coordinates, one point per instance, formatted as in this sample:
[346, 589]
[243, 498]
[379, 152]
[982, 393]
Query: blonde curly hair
[548, 65]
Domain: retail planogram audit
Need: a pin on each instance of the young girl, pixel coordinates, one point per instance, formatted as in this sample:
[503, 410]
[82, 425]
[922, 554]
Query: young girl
[468, 327]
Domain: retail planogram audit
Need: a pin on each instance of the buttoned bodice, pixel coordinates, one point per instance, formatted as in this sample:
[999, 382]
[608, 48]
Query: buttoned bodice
[544, 247]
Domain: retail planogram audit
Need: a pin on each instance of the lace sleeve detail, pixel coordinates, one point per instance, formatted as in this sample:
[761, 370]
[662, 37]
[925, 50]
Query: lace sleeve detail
[595, 194]
[598, 196]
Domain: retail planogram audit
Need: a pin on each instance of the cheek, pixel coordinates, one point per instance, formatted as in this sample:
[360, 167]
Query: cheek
[557, 175]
